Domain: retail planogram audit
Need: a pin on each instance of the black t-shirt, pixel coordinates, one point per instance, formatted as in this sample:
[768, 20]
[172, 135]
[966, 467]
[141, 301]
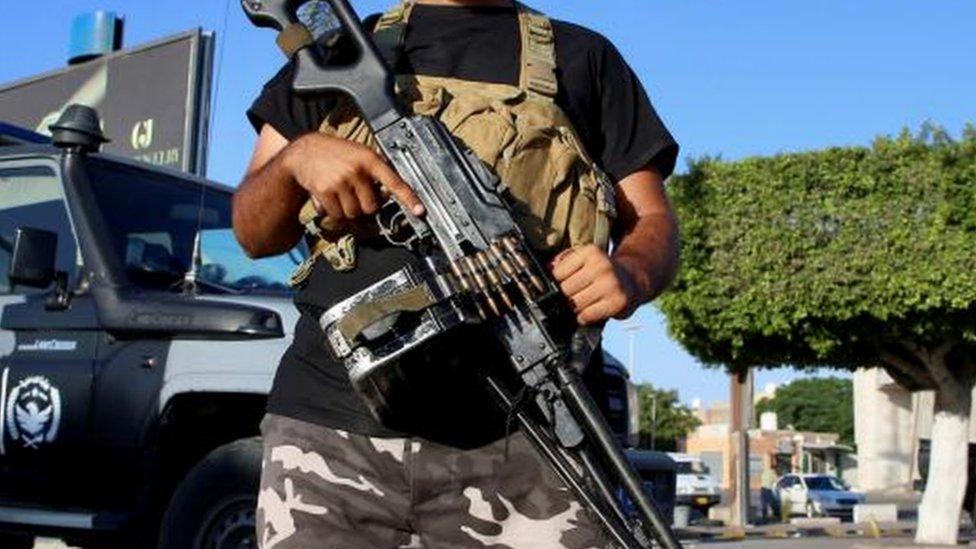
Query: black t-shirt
[613, 116]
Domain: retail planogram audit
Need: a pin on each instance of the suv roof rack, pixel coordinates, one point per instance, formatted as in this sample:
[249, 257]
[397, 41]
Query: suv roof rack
[15, 135]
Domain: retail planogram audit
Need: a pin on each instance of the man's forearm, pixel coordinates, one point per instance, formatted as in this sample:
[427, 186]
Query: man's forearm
[266, 206]
[648, 251]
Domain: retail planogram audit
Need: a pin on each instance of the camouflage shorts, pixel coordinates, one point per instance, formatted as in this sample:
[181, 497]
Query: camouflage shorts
[324, 488]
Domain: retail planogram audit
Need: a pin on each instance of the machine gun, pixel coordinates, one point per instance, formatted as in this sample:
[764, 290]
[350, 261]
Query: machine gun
[476, 269]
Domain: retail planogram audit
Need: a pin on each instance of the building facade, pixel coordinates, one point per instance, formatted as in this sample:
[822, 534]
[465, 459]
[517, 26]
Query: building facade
[771, 450]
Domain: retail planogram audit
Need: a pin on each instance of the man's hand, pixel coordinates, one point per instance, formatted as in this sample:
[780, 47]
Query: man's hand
[644, 260]
[597, 286]
[343, 177]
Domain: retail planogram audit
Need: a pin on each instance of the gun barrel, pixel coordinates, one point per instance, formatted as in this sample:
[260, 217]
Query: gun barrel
[593, 422]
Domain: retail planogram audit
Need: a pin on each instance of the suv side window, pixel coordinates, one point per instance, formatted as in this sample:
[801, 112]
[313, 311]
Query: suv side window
[31, 196]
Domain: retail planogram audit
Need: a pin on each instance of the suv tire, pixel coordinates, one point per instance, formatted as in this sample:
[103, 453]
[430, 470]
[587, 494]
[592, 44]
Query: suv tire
[214, 505]
[9, 540]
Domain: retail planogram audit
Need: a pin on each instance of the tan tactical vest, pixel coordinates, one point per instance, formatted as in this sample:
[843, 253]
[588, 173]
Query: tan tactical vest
[560, 197]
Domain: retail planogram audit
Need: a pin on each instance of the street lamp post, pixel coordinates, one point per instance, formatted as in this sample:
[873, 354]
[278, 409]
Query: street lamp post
[653, 417]
[632, 330]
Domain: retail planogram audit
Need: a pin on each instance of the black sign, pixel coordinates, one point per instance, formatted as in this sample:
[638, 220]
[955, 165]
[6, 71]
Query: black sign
[153, 99]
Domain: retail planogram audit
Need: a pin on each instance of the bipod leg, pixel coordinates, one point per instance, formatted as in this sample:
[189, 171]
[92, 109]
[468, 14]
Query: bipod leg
[592, 421]
[556, 457]
[599, 479]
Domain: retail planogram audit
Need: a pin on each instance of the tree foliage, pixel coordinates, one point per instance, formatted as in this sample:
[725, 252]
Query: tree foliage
[843, 257]
[824, 405]
[823, 258]
[663, 416]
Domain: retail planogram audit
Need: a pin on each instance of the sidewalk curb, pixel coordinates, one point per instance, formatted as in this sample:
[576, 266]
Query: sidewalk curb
[865, 531]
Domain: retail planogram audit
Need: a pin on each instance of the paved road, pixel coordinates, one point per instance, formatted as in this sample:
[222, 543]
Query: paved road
[810, 543]
[789, 543]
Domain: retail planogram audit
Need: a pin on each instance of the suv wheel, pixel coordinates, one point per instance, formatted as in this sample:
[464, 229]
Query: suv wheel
[9, 540]
[213, 507]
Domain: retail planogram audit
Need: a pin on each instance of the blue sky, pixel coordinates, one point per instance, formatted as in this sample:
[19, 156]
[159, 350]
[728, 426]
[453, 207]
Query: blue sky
[730, 78]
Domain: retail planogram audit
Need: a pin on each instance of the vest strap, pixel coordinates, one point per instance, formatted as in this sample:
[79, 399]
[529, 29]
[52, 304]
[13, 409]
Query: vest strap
[606, 208]
[537, 64]
[537, 74]
[390, 32]
[397, 15]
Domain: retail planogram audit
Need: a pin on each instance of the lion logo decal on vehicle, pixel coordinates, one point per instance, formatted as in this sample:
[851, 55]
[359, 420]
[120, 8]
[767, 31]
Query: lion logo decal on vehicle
[34, 412]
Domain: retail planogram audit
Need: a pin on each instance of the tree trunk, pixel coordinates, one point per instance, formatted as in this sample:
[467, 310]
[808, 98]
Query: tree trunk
[938, 515]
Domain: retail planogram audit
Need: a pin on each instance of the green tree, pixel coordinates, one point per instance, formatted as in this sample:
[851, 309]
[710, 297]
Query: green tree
[663, 419]
[823, 405]
[846, 257]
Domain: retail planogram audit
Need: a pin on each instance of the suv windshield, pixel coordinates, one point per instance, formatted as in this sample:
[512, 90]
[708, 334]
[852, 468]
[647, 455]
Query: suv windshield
[153, 219]
[692, 468]
[829, 484]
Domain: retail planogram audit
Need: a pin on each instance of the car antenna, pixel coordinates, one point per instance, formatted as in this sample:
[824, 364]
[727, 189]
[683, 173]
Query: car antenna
[196, 261]
[190, 284]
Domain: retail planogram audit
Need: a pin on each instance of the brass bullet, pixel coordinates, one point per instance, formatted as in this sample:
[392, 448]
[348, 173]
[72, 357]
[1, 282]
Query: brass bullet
[513, 248]
[509, 270]
[482, 284]
[461, 275]
[496, 281]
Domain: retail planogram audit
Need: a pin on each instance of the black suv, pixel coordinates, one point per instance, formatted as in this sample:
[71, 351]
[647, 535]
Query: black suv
[137, 347]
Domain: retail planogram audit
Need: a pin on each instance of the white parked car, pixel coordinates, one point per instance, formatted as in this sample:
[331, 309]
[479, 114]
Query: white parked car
[695, 486]
[817, 495]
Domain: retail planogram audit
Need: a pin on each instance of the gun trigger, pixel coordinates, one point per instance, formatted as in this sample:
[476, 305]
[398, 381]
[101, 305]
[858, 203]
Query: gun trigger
[394, 224]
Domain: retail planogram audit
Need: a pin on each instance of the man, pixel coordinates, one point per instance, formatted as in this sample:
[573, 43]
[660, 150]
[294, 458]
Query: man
[767, 494]
[536, 100]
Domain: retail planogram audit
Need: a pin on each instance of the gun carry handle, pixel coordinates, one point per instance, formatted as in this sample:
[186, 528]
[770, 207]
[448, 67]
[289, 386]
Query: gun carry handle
[368, 80]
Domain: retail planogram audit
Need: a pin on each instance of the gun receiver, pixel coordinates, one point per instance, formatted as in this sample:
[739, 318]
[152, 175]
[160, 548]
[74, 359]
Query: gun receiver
[477, 269]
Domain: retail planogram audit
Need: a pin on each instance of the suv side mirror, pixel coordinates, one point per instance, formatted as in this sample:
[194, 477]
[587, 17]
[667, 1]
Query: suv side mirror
[32, 261]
